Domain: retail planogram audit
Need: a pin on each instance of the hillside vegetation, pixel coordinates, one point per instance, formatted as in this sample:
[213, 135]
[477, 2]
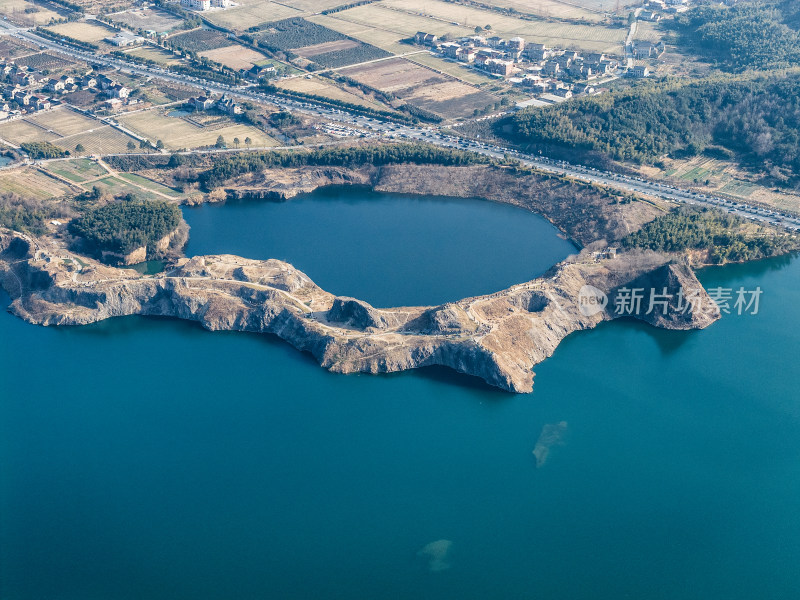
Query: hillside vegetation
[748, 35]
[230, 166]
[126, 225]
[755, 120]
[718, 232]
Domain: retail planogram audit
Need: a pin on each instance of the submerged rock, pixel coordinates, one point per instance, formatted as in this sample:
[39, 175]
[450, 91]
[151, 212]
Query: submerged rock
[552, 435]
[437, 554]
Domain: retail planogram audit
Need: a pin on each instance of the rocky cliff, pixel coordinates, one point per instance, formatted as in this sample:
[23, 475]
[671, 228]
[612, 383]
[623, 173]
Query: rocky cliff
[499, 337]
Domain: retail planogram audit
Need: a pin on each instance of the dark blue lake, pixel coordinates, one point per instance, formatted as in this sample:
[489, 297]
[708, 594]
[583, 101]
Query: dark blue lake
[150, 459]
[387, 249]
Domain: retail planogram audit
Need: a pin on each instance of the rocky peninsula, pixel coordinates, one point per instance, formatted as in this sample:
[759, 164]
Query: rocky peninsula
[498, 338]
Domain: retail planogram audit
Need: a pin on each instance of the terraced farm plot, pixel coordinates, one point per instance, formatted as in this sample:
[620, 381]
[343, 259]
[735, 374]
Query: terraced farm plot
[32, 183]
[162, 57]
[177, 133]
[84, 31]
[422, 87]
[200, 40]
[102, 140]
[78, 171]
[147, 19]
[249, 13]
[63, 122]
[20, 131]
[236, 56]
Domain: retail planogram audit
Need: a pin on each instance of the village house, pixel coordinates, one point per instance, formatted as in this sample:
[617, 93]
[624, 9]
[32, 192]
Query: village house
[500, 67]
[201, 103]
[119, 91]
[228, 106]
[54, 85]
[88, 82]
[639, 72]
[426, 39]
[450, 49]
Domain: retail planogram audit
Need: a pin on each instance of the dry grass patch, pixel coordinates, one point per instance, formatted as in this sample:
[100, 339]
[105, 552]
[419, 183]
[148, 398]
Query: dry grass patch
[147, 19]
[177, 133]
[15, 11]
[235, 57]
[162, 57]
[320, 87]
[439, 14]
[383, 39]
[63, 121]
[83, 31]
[20, 131]
[249, 13]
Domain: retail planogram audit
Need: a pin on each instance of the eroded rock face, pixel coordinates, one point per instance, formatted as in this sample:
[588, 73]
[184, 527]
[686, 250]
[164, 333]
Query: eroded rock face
[499, 337]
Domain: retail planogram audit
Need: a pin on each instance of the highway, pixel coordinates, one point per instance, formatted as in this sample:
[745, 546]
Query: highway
[368, 127]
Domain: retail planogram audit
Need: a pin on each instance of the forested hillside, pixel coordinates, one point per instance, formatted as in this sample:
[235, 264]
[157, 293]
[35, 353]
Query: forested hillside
[751, 35]
[712, 230]
[755, 120]
[126, 225]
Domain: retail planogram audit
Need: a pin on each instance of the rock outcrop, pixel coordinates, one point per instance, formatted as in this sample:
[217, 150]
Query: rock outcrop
[499, 337]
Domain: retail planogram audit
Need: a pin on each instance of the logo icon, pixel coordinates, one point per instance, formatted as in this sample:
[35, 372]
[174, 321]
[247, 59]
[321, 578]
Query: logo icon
[591, 301]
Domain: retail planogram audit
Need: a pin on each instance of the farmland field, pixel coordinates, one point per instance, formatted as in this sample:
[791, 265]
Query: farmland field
[351, 56]
[20, 131]
[160, 56]
[10, 47]
[86, 32]
[322, 88]
[402, 17]
[297, 33]
[648, 32]
[63, 121]
[325, 47]
[199, 40]
[118, 186]
[151, 185]
[558, 8]
[102, 140]
[15, 10]
[147, 19]
[454, 69]
[31, 183]
[386, 40]
[236, 56]
[250, 13]
[43, 60]
[422, 87]
[177, 133]
[79, 171]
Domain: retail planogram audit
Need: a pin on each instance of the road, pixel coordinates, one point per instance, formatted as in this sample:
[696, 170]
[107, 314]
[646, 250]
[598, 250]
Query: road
[383, 129]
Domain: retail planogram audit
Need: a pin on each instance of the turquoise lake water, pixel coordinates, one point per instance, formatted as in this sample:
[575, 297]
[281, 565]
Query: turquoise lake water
[148, 458]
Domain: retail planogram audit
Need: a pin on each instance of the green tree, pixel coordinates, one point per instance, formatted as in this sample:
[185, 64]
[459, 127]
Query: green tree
[131, 146]
[220, 142]
[247, 141]
[236, 142]
[478, 29]
[79, 148]
[159, 144]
